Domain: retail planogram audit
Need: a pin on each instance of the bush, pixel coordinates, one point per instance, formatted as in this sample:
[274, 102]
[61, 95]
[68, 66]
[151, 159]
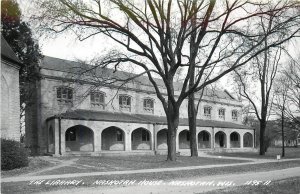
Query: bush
[13, 155]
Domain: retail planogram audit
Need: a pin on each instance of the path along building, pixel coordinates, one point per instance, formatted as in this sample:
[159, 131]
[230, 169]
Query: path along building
[77, 114]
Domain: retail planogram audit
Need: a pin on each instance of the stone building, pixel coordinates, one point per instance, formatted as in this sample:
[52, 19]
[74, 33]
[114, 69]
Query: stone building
[10, 93]
[76, 114]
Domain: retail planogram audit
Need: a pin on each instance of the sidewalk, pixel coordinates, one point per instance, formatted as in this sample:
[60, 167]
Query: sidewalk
[73, 175]
[168, 188]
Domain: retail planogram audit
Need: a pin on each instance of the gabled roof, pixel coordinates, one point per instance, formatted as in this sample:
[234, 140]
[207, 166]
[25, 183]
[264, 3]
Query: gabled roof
[139, 118]
[73, 67]
[7, 53]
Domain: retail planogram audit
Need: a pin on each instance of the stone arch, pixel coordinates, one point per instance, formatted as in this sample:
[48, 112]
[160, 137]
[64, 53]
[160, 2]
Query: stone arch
[184, 139]
[141, 139]
[235, 140]
[161, 138]
[79, 138]
[204, 139]
[5, 113]
[248, 140]
[51, 140]
[113, 138]
[220, 139]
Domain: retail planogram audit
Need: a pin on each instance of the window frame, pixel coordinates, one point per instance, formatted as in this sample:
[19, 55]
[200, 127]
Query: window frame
[204, 112]
[96, 104]
[221, 116]
[234, 118]
[64, 94]
[125, 106]
[146, 108]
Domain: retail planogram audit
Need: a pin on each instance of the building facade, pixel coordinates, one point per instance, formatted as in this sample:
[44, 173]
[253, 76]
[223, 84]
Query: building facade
[78, 114]
[10, 93]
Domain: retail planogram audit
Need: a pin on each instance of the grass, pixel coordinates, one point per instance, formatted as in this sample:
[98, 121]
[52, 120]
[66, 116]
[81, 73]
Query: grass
[118, 163]
[35, 164]
[290, 152]
[24, 187]
[286, 186]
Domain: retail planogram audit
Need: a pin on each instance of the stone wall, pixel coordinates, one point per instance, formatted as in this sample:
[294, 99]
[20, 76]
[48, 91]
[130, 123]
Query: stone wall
[10, 101]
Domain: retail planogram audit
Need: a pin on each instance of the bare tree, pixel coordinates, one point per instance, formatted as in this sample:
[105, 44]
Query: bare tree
[163, 37]
[264, 69]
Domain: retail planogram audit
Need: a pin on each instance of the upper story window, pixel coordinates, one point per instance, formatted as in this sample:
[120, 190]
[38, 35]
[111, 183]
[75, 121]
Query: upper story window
[125, 103]
[149, 105]
[97, 99]
[234, 114]
[64, 94]
[207, 112]
[222, 113]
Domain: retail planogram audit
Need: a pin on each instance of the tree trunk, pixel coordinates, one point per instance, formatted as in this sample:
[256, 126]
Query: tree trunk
[282, 132]
[173, 121]
[192, 125]
[262, 145]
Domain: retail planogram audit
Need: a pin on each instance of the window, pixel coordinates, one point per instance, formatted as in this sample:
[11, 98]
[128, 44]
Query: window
[145, 135]
[71, 135]
[222, 113]
[119, 135]
[125, 103]
[97, 100]
[205, 136]
[207, 112]
[234, 115]
[64, 94]
[234, 136]
[149, 105]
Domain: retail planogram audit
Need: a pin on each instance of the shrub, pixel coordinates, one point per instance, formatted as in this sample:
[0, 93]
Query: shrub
[13, 155]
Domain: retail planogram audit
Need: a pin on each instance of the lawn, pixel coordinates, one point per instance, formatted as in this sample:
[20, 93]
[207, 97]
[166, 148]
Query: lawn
[24, 187]
[118, 163]
[286, 186]
[35, 164]
[290, 152]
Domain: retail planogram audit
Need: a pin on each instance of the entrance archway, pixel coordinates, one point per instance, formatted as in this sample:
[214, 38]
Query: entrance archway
[161, 138]
[184, 139]
[204, 140]
[141, 139]
[235, 140]
[79, 138]
[113, 138]
[248, 140]
[220, 140]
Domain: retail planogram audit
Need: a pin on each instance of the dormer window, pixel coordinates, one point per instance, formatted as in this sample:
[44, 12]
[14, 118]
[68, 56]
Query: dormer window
[149, 105]
[64, 94]
[207, 112]
[222, 113]
[234, 114]
[125, 103]
[97, 99]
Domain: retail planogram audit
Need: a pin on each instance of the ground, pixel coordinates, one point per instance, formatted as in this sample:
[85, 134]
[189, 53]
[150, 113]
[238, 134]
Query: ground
[109, 174]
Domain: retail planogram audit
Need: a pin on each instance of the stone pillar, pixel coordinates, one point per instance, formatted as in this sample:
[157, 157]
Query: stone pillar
[56, 138]
[212, 138]
[177, 141]
[127, 140]
[227, 140]
[153, 139]
[97, 141]
[241, 140]
[63, 139]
